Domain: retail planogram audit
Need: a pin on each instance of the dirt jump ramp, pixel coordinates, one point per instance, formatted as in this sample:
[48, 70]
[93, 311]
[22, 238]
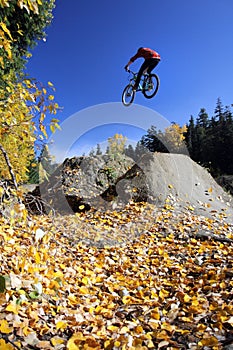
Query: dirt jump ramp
[177, 179]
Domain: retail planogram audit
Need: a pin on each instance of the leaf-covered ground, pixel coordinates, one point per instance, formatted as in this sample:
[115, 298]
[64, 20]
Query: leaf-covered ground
[140, 278]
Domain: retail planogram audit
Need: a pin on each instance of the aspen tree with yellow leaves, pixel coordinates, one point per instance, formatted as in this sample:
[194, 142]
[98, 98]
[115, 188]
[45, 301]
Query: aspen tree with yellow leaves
[24, 103]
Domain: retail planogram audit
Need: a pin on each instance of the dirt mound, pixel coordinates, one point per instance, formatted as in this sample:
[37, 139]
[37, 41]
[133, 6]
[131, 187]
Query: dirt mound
[186, 183]
[159, 178]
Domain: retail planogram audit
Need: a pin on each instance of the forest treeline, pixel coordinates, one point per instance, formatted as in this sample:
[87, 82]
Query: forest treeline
[208, 140]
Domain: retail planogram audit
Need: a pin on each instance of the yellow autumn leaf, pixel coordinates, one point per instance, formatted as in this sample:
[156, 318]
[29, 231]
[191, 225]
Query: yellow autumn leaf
[187, 298]
[190, 208]
[6, 346]
[6, 30]
[187, 319]
[155, 314]
[4, 327]
[210, 341]
[4, 3]
[12, 307]
[124, 330]
[126, 299]
[61, 325]
[74, 341]
[84, 290]
[107, 343]
[113, 328]
[201, 327]
[151, 345]
[138, 329]
[163, 293]
[168, 327]
[195, 302]
[37, 258]
[57, 341]
[117, 343]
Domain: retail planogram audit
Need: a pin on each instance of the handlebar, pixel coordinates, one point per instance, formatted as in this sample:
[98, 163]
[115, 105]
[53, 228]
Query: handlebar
[135, 73]
[130, 71]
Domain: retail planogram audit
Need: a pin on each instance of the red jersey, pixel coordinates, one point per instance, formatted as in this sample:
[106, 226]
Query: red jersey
[146, 54]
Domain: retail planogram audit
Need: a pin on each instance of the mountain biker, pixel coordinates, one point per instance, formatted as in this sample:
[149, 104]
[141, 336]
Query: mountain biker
[151, 59]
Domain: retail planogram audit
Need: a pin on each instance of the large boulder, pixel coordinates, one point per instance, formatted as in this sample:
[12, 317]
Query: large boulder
[78, 183]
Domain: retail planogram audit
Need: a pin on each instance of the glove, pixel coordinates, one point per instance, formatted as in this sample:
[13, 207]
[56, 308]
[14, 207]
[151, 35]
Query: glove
[126, 68]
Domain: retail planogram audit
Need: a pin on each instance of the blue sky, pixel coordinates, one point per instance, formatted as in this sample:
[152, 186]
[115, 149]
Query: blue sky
[89, 43]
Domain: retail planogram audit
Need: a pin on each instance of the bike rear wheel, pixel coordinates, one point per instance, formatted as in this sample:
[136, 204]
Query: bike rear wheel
[151, 86]
[128, 95]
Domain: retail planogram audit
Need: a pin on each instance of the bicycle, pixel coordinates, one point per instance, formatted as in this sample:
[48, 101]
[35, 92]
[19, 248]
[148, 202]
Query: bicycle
[149, 86]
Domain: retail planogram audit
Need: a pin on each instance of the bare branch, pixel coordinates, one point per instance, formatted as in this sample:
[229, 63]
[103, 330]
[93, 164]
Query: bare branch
[5, 155]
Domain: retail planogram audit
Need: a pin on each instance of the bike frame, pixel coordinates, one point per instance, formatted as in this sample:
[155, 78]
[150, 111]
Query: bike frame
[142, 80]
[148, 85]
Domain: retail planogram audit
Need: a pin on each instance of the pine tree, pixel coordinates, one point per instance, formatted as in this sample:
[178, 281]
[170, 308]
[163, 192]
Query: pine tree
[218, 112]
[98, 150]
[154, 140]
[130, 151]
[190, 138]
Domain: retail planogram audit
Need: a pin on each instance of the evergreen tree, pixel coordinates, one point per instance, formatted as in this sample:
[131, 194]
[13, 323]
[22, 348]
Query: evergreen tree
[140, 150]
[218, 112]
[98, 150]
[130, 151]
[209, 140]
[137, 152]
[190, 138]
[47, 160]
[154, 140]
[203, 119]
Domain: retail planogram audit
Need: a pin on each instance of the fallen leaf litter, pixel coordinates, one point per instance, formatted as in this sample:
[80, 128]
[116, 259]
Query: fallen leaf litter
[139, 278]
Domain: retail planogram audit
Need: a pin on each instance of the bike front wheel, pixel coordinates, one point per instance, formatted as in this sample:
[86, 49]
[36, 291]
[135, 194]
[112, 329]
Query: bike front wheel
[151, 86]
[128, 95]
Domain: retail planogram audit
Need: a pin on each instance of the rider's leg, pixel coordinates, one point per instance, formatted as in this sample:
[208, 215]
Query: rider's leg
[148, 65]
[140, 72]
[152, 64]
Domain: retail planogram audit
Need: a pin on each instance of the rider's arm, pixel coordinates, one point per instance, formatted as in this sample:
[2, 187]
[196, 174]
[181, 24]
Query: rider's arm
[128, 64]
[132, 59]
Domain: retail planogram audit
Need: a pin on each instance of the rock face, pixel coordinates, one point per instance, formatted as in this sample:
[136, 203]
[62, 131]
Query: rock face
[104, 181]
[78, 183]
